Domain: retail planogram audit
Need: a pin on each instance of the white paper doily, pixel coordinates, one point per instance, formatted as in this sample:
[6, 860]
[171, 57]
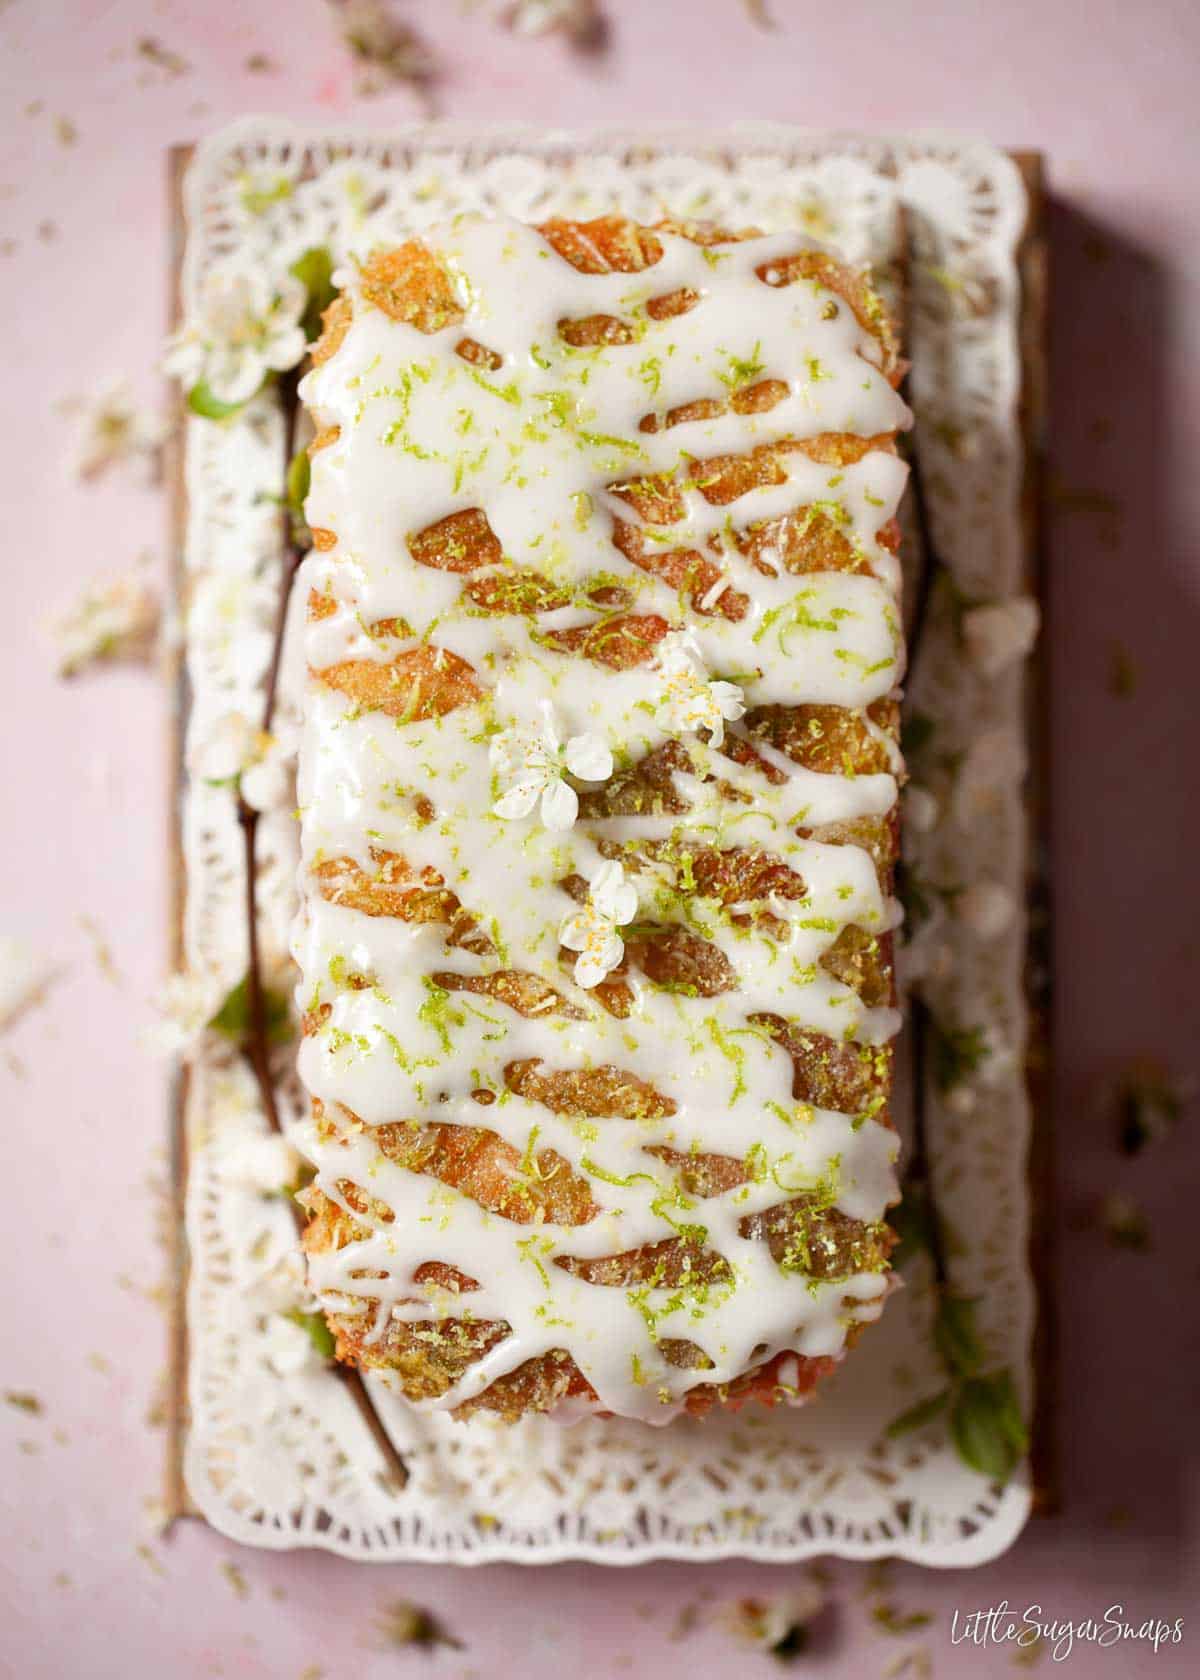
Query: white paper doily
[285, 1461]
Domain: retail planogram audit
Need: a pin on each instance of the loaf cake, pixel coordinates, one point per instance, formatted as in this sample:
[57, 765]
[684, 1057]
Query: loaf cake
[598, 808]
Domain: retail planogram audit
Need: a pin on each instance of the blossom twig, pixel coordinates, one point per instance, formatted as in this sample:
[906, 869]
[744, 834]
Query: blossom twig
[257, 1044]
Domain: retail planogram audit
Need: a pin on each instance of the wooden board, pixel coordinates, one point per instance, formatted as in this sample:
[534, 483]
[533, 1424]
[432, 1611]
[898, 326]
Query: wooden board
[1033, 267]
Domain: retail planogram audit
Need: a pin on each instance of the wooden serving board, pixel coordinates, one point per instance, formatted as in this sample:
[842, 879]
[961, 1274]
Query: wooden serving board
[1033, 266]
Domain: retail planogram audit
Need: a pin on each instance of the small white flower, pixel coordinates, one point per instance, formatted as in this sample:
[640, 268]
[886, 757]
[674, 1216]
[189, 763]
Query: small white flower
[535, 761]
[24, 978]
[228, 749]
[920, 809]
[267, 780]
[116, 619]
[186, 1004]
[692, 700]
[246, 326]
[987, 908]
[260, 1161]
[766, 1623]
[287, 1346]
[997, 636]
[592, 931]
[926, 956]
[114, 430]
[278, 1284]
[994, 762]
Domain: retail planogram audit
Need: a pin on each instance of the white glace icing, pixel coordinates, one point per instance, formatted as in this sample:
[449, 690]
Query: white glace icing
[538, 443]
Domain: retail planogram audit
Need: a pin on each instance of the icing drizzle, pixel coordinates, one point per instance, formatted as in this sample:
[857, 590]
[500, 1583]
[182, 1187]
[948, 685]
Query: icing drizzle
[547, 438]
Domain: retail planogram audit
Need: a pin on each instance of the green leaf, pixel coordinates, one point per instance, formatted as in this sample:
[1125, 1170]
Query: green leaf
[299, 476]
[955, 1335]
[201, 401]
[314, 270]
[912, 1222]
[955, 1053]
[986, 1426]
[233, 1017]
[319, 1333]
[916, 1417]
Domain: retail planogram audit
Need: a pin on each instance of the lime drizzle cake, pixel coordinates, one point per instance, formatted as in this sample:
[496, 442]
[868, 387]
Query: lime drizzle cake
[478, 745]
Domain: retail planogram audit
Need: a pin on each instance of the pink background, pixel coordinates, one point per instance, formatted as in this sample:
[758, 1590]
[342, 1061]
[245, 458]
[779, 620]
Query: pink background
[1108, 91]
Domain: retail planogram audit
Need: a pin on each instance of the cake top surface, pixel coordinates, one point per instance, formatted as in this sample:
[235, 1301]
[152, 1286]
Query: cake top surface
[604, 629]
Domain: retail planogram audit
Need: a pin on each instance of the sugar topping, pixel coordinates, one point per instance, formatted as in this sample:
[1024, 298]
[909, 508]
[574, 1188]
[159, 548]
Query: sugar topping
[466, 756]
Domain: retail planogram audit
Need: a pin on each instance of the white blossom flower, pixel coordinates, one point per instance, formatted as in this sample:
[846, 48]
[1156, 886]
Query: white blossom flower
[287, 1346]
[998, 635]
[260, 1161]
[767, 1623]
[920, 809]
[278, 1283]
[995, 761]
[267, 780]
[693, 701]
[592, 931]
[186, 1004]
[246, 326]
[226, 749]
[535, 762]
[115, 430]
[236, 747]
[116, 619]
[24, 978]
[926, 956]
[987, 908]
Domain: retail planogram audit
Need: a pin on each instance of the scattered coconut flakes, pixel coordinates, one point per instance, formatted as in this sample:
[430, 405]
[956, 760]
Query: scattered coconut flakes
[580, 19]
[116, 620]
[163, 58]
[986, 907]
[24, 979]
[400, 1623]
[998, 635]
[1148, 1102]
[1125, 1223]
[889, 1618]
[236, 1577]
[23, 1402]
[101, 949]
[115, 430]
[384, 49]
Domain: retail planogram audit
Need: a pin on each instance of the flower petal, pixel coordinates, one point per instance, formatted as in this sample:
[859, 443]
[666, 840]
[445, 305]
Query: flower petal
[588, 757]
[560, 804]
[573, 931]
[604, 885]
[599, 959]
[285, 349]
[520, 799]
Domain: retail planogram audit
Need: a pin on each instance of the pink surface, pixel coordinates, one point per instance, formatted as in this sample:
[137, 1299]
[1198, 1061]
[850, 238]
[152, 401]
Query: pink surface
[1109, 92]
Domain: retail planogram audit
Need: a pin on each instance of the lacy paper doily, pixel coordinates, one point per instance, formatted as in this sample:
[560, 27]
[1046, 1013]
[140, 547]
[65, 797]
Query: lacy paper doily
[284, 1460]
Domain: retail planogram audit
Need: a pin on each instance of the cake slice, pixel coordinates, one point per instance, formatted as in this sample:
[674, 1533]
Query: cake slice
[598, 804]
